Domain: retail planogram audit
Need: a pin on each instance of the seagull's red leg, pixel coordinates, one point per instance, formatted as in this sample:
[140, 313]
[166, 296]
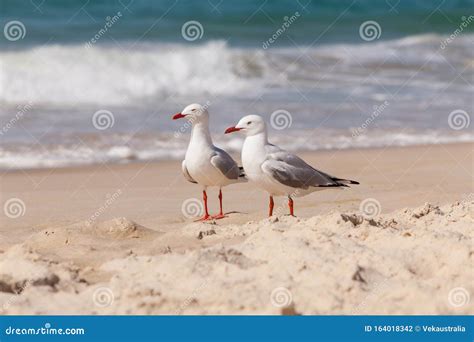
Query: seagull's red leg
[270, 207]
[220, 202]
[221, 212]
[206, 212]
[290, 204]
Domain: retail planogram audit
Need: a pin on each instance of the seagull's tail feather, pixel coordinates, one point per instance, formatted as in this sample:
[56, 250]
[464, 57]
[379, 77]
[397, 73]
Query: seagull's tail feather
[242, 176]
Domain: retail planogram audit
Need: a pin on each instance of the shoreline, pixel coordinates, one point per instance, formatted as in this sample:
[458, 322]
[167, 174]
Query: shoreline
[134, 161]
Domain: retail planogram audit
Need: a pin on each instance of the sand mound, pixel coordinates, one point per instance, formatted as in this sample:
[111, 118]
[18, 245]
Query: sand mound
[91, 243]
[407, 262]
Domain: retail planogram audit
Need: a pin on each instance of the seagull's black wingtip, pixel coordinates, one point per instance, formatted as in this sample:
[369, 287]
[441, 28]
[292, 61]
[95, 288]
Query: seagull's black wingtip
[336, 185]
[344, 181]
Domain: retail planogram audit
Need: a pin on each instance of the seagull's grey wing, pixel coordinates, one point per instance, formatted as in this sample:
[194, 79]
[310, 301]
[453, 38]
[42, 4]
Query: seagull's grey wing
[222, 161]
[292, 171]
[186, 172]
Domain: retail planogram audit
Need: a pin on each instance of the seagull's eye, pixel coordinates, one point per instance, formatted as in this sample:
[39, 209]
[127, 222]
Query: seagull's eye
[248, 123]
[193, 110]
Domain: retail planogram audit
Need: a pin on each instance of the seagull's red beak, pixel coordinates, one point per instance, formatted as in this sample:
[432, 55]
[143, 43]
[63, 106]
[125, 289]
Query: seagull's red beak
[232, 129]
[178, 116]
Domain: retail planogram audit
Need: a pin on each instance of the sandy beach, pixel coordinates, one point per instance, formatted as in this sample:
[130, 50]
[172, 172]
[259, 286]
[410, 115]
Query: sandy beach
[120, 239]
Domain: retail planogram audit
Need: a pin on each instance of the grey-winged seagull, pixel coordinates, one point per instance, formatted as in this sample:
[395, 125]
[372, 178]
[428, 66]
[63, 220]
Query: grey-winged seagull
[204, 163]
[277, 171]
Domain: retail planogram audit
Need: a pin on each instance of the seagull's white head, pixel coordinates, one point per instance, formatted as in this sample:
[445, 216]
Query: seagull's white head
[194, 113]
[249, 125]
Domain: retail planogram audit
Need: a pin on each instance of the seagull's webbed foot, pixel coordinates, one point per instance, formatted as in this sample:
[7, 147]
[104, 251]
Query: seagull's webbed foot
[204, 218]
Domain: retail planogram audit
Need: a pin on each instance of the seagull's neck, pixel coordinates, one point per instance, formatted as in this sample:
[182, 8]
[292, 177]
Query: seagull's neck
[259, 139]
[254, 145]
[200, 133]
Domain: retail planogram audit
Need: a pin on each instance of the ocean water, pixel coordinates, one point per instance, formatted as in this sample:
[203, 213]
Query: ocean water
[95, 81]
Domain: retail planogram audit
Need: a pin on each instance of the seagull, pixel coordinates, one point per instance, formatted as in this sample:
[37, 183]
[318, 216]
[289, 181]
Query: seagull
[277, 171]
[204, 163]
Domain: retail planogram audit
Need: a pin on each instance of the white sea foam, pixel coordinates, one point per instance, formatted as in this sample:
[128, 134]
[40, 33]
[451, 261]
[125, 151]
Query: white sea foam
[109, 75]
[73, 74]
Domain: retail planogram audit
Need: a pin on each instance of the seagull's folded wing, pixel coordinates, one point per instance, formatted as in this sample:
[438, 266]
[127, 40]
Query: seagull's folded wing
[290, 170]
[225, 164]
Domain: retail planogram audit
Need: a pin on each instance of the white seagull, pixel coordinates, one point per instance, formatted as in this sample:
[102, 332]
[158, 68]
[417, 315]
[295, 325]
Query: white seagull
[204, 163]
[277, 171]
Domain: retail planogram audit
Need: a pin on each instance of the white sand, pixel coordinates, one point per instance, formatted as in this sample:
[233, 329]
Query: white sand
[406, 262]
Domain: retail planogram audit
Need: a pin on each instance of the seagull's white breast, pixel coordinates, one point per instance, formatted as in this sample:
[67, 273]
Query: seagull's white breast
[198, 160]
[254, 155]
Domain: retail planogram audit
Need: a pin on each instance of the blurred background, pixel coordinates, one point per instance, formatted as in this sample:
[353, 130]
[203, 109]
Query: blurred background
[83, 82]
